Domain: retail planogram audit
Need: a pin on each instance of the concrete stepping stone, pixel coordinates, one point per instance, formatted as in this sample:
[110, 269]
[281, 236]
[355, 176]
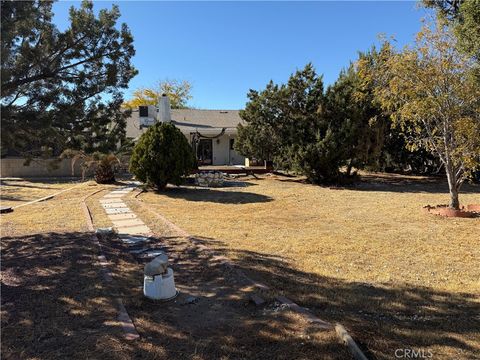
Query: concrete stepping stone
[114, 205]
[118, 211]
[111, 201]
[127, 222]
[137, 251]
[151, 253]
[134, 230]
[123, 192]
[134, 240]
[123, 216]
[110, 196]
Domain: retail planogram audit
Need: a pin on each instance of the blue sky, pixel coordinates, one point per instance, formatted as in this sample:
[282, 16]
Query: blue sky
[226, 48]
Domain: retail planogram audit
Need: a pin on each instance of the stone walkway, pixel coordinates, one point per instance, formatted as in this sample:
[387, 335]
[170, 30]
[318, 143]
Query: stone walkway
[131, 230]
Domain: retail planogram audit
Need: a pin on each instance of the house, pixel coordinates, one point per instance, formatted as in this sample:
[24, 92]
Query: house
[211, 133]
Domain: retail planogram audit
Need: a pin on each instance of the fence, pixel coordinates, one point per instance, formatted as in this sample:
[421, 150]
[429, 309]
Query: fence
[15, 167]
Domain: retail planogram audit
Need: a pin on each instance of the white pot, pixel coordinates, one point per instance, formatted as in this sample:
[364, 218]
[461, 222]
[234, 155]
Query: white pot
[160, 287]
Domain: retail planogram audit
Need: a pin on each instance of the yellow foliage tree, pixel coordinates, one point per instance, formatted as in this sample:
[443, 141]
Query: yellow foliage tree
[177, 91]
[433, 95]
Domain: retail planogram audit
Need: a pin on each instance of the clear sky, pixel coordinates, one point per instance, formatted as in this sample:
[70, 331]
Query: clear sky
[226, 48]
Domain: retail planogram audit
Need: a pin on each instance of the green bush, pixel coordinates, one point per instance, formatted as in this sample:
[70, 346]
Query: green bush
[162, 155]
[320, 160]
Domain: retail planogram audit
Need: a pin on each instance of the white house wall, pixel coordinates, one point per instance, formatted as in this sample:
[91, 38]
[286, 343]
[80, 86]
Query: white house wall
[222, 154]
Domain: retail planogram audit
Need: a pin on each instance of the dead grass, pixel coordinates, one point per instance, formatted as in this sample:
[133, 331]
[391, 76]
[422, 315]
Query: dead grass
[366, 256]
[54, 303]
[59, 214]
[15, 191]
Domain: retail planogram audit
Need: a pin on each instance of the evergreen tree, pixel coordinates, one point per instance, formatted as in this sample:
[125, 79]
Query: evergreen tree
[62, 89]
[287, 123]
[162, 155]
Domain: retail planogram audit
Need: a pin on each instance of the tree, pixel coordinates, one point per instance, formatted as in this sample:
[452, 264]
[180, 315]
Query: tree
[288, 124]
[464, 17]
[433, 95]
[162, 155]
[357, 120]
[178, 92]
[256, 142]
[62, 89]
[371, 140]
[260, 138]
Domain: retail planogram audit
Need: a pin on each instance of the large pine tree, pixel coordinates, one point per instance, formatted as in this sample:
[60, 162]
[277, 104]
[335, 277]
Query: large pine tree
[62, 89]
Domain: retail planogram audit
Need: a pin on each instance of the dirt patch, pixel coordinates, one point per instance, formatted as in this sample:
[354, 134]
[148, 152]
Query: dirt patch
[469, 211]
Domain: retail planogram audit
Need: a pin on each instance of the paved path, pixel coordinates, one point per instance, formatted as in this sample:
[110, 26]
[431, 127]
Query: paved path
[131, 230]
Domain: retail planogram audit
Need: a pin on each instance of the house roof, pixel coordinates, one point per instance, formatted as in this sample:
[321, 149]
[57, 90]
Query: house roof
[206, 121]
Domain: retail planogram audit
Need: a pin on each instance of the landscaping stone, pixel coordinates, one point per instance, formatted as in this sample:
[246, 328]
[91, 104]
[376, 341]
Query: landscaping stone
[151, 253]
[134, 240]
[122, 216]
[257, 300]
[127, 222]
[117, 211]
[111, 201]
[209, 179]
[138, 251]
[191, 300]
[107, 230]
[110, 196]
[134, 230]
[114, 205]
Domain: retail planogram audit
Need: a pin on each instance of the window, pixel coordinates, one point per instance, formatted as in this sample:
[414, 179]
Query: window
[231, 143]
[143, 111]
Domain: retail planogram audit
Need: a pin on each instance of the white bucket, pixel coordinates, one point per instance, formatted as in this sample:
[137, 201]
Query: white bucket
[160, 287]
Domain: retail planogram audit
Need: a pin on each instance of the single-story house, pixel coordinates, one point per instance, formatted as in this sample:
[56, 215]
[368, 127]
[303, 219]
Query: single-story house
[211, 133]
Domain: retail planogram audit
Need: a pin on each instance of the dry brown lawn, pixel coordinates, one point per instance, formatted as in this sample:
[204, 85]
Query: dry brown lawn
[16, 191]
[55, 304]
[366, 256]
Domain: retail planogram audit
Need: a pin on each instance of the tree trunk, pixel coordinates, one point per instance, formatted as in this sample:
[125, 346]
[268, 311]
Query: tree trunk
[161, 185]
[452, 186]
[349, 168]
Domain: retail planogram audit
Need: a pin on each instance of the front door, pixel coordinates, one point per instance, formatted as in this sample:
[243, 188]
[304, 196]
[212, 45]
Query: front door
[205, 152]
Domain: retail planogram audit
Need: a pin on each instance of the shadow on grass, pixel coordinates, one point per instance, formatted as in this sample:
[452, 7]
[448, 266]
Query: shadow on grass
[53, 302]
[5, 197]
[215, 196]
[382, 317]
[56, 306]
[19, 184]
[396, 183]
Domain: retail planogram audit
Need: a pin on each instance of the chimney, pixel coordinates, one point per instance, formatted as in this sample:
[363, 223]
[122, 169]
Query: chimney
[164, 114]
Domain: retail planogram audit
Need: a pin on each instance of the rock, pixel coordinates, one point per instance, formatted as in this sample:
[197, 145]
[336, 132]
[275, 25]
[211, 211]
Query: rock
[257, 300]
[107, 230]
[191, 300]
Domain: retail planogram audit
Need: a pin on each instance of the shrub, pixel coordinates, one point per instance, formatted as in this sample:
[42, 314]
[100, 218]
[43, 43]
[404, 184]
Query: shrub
[103, 165]
[162, 155]
[105, 169]
[320, 161]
